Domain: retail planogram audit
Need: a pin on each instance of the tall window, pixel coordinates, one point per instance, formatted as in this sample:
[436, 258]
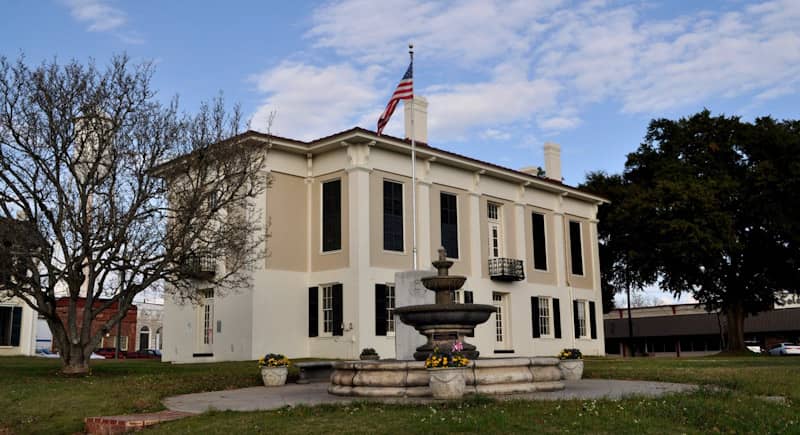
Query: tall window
[539, 242]
[544, 316]
[159, 341]
[10, 323]
[581, 313]
[390, 309]
[392, 216]
[493, 215]
[449, 223]
[208, 317]
[576, 253]
[500, 319]
[332, 216]
[327, 309]
[123, 343]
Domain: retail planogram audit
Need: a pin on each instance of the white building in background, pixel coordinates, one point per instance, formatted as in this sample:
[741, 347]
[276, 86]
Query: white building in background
[149, 324]
[339, 213]
[17, 327]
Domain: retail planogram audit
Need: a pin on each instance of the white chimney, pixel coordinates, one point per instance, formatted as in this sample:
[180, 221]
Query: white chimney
[552, 161]
[420, 130]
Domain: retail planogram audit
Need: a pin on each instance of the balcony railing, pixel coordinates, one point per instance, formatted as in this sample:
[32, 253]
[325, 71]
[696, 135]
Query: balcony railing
[506, 269]
[201, 267]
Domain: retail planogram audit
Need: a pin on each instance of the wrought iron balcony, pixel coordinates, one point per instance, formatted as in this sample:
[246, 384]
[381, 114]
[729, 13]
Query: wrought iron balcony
[506, 269]
[201, 267]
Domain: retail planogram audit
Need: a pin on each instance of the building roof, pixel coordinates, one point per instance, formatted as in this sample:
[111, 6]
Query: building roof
[701, 324]
[357, 134]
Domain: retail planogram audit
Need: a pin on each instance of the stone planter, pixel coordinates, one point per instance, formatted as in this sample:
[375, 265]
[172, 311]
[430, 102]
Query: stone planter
[274, 376]
[571, 369]
[370, 357]
[447, 382]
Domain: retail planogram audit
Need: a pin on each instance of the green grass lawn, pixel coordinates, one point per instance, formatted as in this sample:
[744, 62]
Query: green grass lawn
[35, 399]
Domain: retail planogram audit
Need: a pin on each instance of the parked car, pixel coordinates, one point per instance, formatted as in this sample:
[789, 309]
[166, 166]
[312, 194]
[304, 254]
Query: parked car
[754, 346]
[785, 349]
[145, 354]
[44, 353]
[109, 352]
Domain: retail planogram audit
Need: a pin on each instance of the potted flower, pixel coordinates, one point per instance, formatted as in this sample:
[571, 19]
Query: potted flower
[571, 364]
[446, 372]
[274, 369]
[369, 353]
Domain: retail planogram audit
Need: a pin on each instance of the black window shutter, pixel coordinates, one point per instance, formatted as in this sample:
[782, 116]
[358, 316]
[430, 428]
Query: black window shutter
[592, 320]
[535, 317]
[575, 319]
[332, 215]
[556, 318]
[539, 245]
[449, 223]
[468, 298]
[313, 312]
[575, 247]
[380, 309]
[338, 310]
[392, 216]
[16, 323]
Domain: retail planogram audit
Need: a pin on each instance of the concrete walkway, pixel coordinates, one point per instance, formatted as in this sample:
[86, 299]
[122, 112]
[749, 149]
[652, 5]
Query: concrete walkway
[264, 399]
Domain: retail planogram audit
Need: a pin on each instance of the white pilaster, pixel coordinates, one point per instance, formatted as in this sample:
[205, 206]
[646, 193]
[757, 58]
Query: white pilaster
[357, 309]
[476, 266]
[423, 224]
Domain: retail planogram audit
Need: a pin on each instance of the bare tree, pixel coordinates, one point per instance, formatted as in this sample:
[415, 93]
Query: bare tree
[105, 191]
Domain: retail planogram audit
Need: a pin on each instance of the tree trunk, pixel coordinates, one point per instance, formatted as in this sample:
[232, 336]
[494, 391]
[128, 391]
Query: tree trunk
[735, 319]
[75, 360]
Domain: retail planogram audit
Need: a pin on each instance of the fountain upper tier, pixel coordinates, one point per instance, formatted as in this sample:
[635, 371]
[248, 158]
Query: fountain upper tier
[445, 321]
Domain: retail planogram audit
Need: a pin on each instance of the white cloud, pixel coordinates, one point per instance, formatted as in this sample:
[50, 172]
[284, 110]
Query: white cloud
[495, 134]
[570, 54]
[456, 110]
[493, 68]
[311, 101]
[100, 16]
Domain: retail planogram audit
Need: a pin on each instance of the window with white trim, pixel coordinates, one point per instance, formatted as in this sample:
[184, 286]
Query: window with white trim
[495, 230]
[389, 309]
[581, 313]
[327, 309]
[544, 317]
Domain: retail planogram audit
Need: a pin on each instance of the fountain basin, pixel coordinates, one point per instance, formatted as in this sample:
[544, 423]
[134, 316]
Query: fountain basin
[496, 376]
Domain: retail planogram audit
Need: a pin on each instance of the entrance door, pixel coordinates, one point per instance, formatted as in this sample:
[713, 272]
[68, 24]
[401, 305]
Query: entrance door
[501, 320]
[205, 322]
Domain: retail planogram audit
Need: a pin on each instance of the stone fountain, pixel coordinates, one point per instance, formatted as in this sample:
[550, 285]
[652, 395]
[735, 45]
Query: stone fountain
[444, 322]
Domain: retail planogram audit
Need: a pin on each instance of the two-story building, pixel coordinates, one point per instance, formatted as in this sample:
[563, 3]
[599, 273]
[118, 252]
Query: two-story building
[339, 219]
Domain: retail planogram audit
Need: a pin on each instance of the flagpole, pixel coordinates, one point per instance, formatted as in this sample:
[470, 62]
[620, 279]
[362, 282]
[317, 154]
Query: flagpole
[413, 172]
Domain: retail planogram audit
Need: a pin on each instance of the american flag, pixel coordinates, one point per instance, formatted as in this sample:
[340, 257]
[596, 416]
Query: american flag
[404, 91]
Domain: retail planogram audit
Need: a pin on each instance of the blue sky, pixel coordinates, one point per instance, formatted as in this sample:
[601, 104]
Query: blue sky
[502, 77]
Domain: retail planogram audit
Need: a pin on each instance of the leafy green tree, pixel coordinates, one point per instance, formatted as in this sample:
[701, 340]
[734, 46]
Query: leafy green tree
[709, 206]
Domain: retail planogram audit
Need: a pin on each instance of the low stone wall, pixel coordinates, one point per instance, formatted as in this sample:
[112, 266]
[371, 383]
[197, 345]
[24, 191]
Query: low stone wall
[410, 378]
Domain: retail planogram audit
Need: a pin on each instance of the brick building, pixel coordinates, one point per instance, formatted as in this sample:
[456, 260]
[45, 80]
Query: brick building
[128, 327]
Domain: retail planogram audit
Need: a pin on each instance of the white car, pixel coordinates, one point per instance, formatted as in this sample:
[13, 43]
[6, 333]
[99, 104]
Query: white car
[785, 349]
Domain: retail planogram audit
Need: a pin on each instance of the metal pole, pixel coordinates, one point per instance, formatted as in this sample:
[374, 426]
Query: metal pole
[630, 323]
[413, 171]
[119, 336]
